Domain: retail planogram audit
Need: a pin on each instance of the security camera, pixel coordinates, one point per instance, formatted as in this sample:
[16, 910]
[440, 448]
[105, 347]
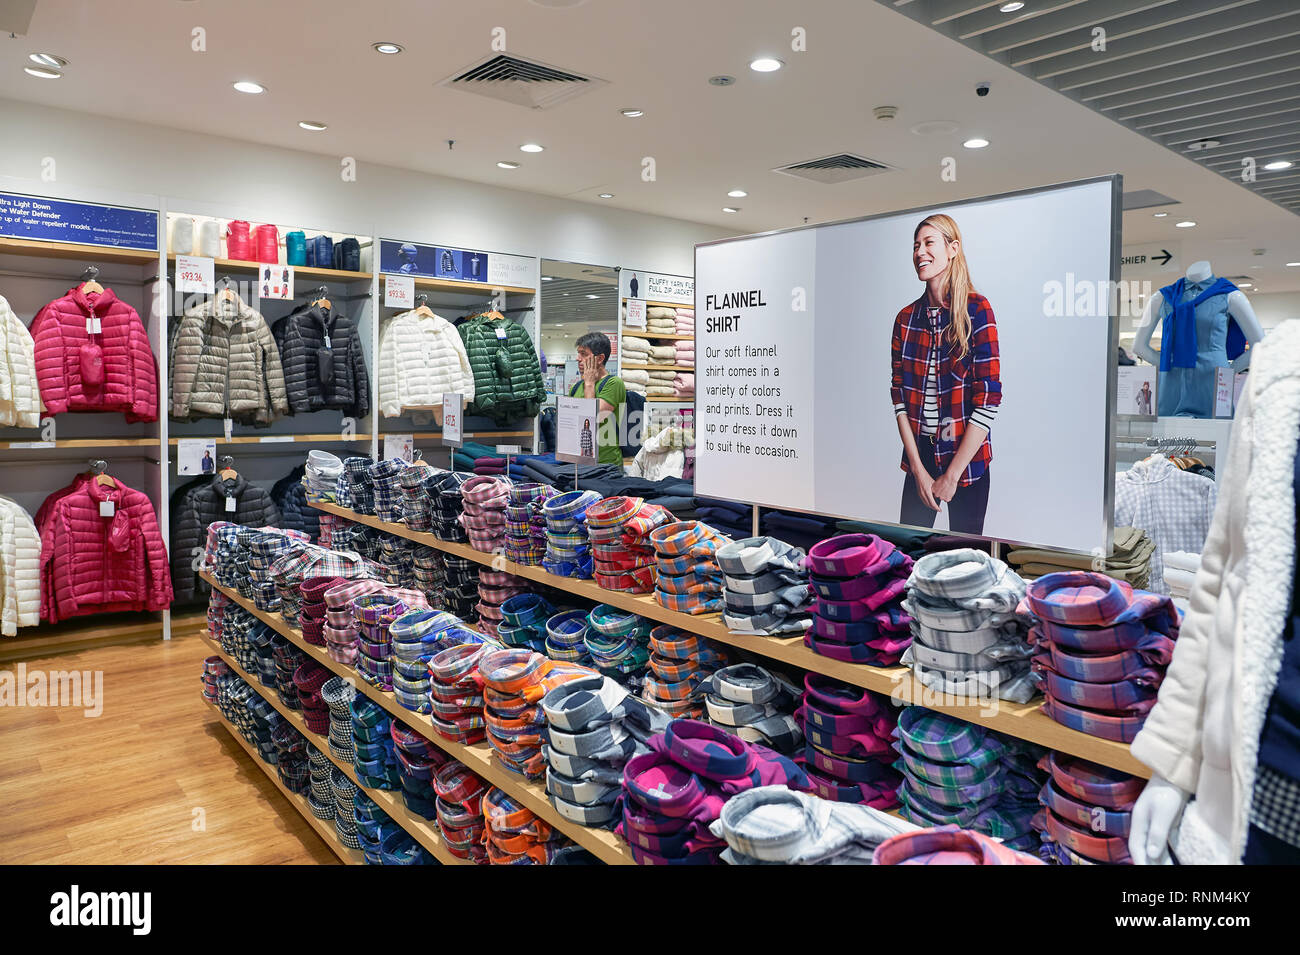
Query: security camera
[982, 89]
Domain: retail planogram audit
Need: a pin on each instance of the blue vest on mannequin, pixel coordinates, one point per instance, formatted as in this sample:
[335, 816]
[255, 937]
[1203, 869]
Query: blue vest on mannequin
[1189, 391]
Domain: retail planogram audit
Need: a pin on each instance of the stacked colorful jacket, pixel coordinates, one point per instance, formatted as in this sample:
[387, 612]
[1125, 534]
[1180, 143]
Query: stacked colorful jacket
[110, 368]
[200, 508]
[507, 374]
[324, 363]
[20, 399]
[95, 562]
[224, 363]
[20, 569]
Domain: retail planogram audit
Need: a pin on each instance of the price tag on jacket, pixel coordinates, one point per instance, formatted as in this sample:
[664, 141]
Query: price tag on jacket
[230, 504]
[94, 325]
[194, 274]
[399, 291]
[107, 508]
[501, 334]
[227, 425]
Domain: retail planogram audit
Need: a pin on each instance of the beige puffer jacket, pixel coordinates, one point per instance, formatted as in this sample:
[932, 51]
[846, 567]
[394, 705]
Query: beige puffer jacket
[224, 363]
[20, 400]
[20, 569]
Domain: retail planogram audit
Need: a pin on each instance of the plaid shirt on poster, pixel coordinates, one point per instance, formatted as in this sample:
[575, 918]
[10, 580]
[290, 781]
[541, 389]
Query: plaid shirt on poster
[965, 384]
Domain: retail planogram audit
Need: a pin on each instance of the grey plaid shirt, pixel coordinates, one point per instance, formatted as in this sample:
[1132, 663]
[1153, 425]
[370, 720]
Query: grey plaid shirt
[1173, 506]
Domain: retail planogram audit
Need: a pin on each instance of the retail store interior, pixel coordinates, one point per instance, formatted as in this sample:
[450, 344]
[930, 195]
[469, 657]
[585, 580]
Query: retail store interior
[362, 500]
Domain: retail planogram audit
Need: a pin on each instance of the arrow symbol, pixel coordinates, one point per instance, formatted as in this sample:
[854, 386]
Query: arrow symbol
[1163, 258]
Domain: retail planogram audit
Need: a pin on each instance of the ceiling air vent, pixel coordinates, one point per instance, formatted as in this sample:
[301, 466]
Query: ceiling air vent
[828, 170]
[528, 83]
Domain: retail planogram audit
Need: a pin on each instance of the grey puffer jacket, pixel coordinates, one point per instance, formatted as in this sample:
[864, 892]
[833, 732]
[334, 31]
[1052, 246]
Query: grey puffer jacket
[224, 363]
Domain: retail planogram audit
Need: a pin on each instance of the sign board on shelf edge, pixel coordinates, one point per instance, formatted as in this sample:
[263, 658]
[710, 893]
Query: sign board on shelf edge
[399, 291]
[194, 273]
[572, 417]
[452, 422]
[635, 314]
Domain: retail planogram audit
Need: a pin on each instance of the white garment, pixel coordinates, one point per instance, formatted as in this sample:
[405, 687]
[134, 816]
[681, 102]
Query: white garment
[20, 569]
[660, 457]
[1173, 506]
[421, 357]
[20, 400]
[1203, 733]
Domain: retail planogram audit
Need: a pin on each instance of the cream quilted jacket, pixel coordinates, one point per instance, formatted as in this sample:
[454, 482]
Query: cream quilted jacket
[20, 569]
[420, 358]
[20, 400]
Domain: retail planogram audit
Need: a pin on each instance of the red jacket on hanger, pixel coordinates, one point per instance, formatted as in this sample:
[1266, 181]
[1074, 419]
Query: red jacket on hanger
[92, 562]
[93, 354]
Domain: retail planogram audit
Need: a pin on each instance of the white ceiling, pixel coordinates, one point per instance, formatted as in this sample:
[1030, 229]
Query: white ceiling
[133, 59]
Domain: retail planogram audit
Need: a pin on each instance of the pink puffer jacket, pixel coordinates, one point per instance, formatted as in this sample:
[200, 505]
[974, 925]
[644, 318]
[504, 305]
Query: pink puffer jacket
[109, 370]
[96, 564]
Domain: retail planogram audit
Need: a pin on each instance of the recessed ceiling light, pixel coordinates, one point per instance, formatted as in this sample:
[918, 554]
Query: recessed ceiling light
[1246, 285]
[386, 47]
[314, 127]
[607, 195]
[42, 72]
[248, 86]
[506, 164]
[731, 208]
[1279, 164]
[738, 193]
[531, 148]
[934, 127]
[1185, 224]
[1159, 215]
[976, 143]
[765, 64]
[1292, 265]
[547, 278]
[593, 296]
[48, 59]
[564, 293]
[1012, 7]
[632, 113]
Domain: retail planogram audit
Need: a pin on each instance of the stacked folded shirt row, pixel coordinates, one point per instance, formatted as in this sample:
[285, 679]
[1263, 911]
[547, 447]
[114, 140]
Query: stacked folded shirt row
[1087, 811]
[484, 512]
[291, 757]
[1103, 650]
[619, 529]
[374, 756]
[418, 760]
[526, 523]
[568, 547]
[755, 704]
[687, 576]
[858, 616]
[456, 693]
[679, 663]
[213, 669]
[495, 589]
[417, 636]
[848, 753]
[459, 802]
[969, 641]
[514, 835]
[958, 773]
[618, 642]
[514, 682]
[765, 586]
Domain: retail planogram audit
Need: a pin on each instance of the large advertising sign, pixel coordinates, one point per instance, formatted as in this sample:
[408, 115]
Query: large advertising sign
[831, 376]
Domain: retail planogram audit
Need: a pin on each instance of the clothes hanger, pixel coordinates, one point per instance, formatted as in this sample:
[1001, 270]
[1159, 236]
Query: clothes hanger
[226, 293]
[227, 472]
[88, 284]
[97, 468]
[321, 299]
[421, 307]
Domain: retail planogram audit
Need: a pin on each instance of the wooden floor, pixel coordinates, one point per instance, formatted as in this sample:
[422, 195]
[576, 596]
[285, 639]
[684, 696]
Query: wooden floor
[153, 779]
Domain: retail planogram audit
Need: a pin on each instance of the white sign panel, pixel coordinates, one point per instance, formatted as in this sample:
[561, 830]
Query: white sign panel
[452, 408]
[399, 446]
[1135, 390]
[1224, 392]
[657, 287]
[399, 291]
[635, 317]
[576, 425]
[196, 456]
[518, 270]
[194, 274]
[1150, 257]
[808, 340]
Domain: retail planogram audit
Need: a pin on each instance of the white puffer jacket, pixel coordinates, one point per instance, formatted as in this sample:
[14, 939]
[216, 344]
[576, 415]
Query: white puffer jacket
[20, 399]
[420, 358]
[20, 569]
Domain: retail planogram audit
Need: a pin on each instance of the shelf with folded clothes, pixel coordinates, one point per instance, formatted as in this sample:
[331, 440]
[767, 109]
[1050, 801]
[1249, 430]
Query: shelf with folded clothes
[299, 802]
[478, 757]
[276, 439]
[642, 333]
[650, 303]
[423, 831]
[300, 272]
[1023, 720]
[636, 367]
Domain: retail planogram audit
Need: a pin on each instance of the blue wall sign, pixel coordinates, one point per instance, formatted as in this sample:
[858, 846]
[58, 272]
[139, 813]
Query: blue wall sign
[61, 220]
[411, 258]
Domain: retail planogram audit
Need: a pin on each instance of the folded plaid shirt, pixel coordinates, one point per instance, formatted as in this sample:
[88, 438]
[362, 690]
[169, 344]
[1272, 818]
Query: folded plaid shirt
[638, 581]
[687, 564]
[612, 512]
[357, 484]
[1084, 599]
[686, 538]
[571, 505]
[387, 488]
[690, 603]
[644, 521]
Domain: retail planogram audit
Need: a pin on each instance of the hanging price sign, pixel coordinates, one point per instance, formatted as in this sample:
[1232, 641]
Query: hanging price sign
[194, 274]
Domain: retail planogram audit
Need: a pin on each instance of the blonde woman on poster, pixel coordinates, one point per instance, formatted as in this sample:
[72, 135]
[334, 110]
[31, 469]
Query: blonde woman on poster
[946, 385]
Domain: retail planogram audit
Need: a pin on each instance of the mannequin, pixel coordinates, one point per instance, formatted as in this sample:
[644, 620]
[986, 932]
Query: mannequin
[1223, 740]
[1187, 391]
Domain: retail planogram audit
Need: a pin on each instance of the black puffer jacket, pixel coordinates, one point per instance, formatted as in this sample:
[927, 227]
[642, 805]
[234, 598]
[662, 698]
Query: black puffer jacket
[324, 362]
[203, 505]
[291, 498]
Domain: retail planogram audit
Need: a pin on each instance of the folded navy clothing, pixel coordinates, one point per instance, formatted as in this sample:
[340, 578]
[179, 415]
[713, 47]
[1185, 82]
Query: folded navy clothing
[909, 542]
[682, 508]
[741, 511]
[805, 523]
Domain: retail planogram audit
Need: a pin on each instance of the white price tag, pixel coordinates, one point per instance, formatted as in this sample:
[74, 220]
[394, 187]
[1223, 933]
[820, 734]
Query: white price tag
[227, 426]
[107, 508]
[508, 449]
[194, 274]
[635, 313]
[452, 406]
[501, 333]
[230, 504]
[275, 439]
[94, 325]
[399, 291]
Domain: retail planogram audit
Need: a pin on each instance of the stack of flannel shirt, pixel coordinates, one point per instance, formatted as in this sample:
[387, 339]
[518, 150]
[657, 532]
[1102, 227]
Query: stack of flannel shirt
[568, 549]
[765, 587]
[484, 514]
[858, 617]
[848, 732]
[525, 522]
[679, 662]
[687, 576]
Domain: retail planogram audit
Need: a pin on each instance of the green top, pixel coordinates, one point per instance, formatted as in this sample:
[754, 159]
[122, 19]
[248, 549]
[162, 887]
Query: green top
[611, 389]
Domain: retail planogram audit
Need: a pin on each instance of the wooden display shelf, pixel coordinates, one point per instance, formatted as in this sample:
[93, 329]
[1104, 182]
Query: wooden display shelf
[457, 285]
[81, 443]
[675, 401]
[272, 439]
[641, 333]
[690, 368]
[472, 435]
[299, 271]
[652, 304]
[83, 633]
[324, 829]
[424, 831]
[90, 254]
[1022, 720]
[600, 842]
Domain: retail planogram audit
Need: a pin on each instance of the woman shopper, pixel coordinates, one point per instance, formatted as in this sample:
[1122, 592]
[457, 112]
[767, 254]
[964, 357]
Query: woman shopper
[946, 385]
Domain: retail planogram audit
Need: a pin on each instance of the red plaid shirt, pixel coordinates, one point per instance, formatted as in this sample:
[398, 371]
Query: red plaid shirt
[964, 383]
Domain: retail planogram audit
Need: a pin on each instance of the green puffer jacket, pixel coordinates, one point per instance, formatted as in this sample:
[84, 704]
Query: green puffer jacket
[507, 375]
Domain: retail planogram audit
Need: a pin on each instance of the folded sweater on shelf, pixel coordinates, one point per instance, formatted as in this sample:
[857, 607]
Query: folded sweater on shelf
[663, 353]
[637, 375]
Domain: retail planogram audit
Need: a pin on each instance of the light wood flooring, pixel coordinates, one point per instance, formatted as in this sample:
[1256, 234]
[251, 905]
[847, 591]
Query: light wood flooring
[126, 787]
